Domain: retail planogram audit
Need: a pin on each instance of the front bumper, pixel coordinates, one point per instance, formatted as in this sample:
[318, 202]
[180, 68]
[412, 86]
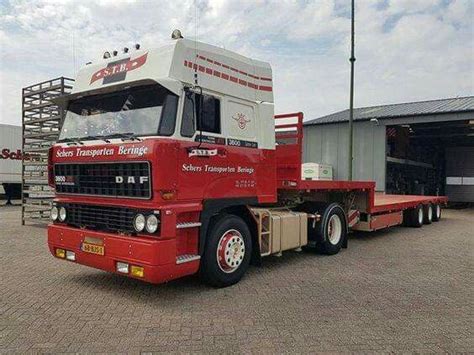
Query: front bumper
[157, 257]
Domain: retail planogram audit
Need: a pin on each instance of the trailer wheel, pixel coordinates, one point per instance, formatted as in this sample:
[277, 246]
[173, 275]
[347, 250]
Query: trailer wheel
[227, 253]
[417, 216]
[428, 213]
[332, 230]
[436, 212]
[406, 218]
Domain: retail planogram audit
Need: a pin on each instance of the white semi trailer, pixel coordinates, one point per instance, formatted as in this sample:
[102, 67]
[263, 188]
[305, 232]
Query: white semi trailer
[10, 158]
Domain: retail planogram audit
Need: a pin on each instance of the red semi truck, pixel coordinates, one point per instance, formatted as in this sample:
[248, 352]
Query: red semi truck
[171, 162]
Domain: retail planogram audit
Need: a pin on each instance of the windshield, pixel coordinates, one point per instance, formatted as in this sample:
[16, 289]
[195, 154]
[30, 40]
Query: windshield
[142, 111]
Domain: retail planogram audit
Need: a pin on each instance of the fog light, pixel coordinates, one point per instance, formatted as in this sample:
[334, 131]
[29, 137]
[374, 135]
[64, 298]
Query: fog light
[122, 267]
[139, 222]
[60, 253]
[62, 214]
[137, 271]
[151, 223]
[54, 213]
[70, 255]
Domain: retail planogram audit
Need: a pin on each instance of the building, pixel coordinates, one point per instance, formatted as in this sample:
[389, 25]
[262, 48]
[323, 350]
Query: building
[410, 148]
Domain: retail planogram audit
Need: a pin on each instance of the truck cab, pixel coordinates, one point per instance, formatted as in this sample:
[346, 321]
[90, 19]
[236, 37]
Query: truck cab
[154, 144]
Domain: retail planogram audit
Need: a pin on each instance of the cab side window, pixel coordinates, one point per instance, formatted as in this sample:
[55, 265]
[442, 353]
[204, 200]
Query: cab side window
[189, 116]
[168, 115]
[211, 114]
[210, 109]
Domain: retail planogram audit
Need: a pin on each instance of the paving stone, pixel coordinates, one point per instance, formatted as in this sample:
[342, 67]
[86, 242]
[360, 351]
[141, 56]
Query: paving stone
[396, 291]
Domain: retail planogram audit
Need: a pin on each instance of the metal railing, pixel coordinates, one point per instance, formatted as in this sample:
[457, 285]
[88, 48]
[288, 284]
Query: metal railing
[42, 121]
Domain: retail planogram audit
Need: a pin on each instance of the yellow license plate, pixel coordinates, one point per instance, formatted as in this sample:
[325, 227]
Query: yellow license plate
[93, 249]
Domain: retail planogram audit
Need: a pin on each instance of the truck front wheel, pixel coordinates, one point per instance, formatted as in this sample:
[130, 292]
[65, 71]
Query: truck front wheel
[228, 251]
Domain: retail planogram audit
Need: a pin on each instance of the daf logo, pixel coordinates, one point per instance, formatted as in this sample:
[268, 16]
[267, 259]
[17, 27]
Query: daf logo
[131, 179]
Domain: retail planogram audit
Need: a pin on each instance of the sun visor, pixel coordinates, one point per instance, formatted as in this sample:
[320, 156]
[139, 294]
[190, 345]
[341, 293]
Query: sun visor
[175, 86]
[172, 85]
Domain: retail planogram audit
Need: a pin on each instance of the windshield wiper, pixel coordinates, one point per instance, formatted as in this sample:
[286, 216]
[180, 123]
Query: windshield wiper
[128, 135]
[74, 140]
[102, 138]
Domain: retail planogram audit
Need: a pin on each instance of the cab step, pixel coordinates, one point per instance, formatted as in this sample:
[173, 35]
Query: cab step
[188, 225]
[186, 258]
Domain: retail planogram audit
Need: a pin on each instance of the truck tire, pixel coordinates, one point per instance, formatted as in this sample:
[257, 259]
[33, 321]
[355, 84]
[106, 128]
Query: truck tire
[428, 213]
[227, 252]
[331, 232]
[417, 216]
[436, 212]
[406, 218]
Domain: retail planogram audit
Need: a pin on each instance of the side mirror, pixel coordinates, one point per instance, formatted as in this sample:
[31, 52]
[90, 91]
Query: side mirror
[195, 94]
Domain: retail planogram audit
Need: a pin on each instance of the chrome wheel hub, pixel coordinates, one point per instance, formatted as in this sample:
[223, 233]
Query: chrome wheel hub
[230, 251]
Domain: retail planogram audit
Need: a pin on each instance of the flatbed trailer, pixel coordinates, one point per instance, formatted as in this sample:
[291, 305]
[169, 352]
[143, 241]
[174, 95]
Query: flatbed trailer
[380, 210]
[216, 185]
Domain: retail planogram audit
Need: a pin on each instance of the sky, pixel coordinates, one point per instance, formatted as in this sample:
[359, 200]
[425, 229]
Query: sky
[406, 50]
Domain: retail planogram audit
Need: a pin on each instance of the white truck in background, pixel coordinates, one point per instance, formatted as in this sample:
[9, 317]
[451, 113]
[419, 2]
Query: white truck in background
[10, 159]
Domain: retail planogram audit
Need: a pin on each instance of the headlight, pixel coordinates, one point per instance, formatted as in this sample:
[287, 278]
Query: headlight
[54, 213]
[139, 222]
[62, 214]
[151, 223]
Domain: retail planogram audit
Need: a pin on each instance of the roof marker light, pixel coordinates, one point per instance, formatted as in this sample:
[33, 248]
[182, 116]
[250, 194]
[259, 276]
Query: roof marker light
[125, 50]
[106, 55]
[137, 46]
[176, 34]
[115, 53]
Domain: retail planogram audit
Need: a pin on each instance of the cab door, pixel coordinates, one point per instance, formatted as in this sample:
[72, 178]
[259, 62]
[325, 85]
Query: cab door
[210, 165]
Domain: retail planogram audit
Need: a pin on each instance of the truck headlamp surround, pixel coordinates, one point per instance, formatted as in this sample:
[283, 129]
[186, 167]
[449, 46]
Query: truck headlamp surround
[62, 214]
[152, 223]
[139, 222]
[54, 214]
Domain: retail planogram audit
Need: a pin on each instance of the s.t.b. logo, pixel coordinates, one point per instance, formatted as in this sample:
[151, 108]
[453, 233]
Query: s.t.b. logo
[117, 71]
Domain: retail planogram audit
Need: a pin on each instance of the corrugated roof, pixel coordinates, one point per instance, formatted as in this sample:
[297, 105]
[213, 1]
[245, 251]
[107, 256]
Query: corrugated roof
[458, 104]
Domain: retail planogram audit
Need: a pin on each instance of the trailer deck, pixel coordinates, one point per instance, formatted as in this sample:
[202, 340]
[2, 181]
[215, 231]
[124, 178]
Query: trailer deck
[379, 202]
[387, 203]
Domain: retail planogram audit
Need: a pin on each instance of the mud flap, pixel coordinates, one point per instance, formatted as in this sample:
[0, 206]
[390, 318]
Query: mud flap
[346, 241]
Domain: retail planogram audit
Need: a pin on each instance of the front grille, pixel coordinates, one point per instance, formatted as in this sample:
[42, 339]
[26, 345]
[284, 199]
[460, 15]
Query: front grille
[131, 179]
[110, 219]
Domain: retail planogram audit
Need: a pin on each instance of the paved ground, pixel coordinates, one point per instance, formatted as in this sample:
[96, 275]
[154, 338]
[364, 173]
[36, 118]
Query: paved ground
[398, 290]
